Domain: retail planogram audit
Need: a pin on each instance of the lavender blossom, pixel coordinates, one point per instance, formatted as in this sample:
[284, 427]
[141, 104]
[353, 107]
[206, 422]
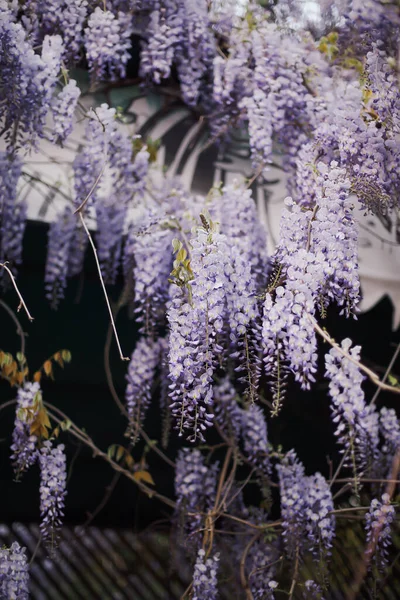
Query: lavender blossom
[60, 239]
[357, 427]
[389, 428]
[205, 576]
[195, 489]
[293, 502]
[88, 164]
[254, 433]
[14, 573]
[228, 413]
[24, 444]
[312, 591]
[28, 81]
[144, 361]
[152, 255]
[13, 213]
[107, 43]
[110, 228]
[63, 108]
[378, 521]
[320, 523]
[53, 476]
[158, 53]
[195, 323]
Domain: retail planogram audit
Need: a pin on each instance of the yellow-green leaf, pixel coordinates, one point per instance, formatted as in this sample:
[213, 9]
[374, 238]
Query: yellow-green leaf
[144, 476]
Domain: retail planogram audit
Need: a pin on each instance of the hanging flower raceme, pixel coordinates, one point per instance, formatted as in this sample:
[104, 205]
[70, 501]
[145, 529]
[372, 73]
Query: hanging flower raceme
[63, 107]
[28, 80]
[195, 489]
[12, 213]
[320, 523]
[306, 504]
[378, 526]
[150, 250]
[24, 443]
[60, 238]
[357, 427]
[141, 372]
[163, 36]
[196, 316]
[196, 52]
[228, 414]
[205, 576]
[14, 573]
[255, 439]
[293, 492]
[333, 236]
[53, 476]
[389, 428]
[107, 44]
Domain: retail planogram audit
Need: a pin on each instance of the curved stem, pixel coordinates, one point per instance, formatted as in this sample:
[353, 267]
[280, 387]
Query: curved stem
[21, 300]
[14, 317]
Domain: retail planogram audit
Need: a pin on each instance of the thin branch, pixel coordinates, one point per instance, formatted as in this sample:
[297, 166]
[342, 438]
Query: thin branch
[243, 579]
[103, 286]
[387, 372]
[21, 300]
[14, 317]
[373, 376]
[83, 437]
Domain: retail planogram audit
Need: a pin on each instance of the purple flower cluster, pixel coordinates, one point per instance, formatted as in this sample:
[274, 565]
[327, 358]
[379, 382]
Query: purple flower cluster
[205, 576]
[107, 44]
[195, 489]
[142, 367]
[389, 428]
[151, 251]
[53, 476]
[158, 53]
[28, 80]
[378, 523]
[14, 574]
[255, 439]
[306, 506]
[293, 502]
[24, 444]
[63, 108]
[228, 414]
[13, 213]
[60, 238]
[89, 163]
[357, 426]
[320, 523]
[195, 323]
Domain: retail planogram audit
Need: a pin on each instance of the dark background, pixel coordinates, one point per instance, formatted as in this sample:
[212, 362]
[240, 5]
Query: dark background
[80, 390]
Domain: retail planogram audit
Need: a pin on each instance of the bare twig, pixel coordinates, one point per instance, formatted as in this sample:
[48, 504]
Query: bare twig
[21, 300]
[243, 579]
[83, 437]
[103, 286]
[387, 372]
